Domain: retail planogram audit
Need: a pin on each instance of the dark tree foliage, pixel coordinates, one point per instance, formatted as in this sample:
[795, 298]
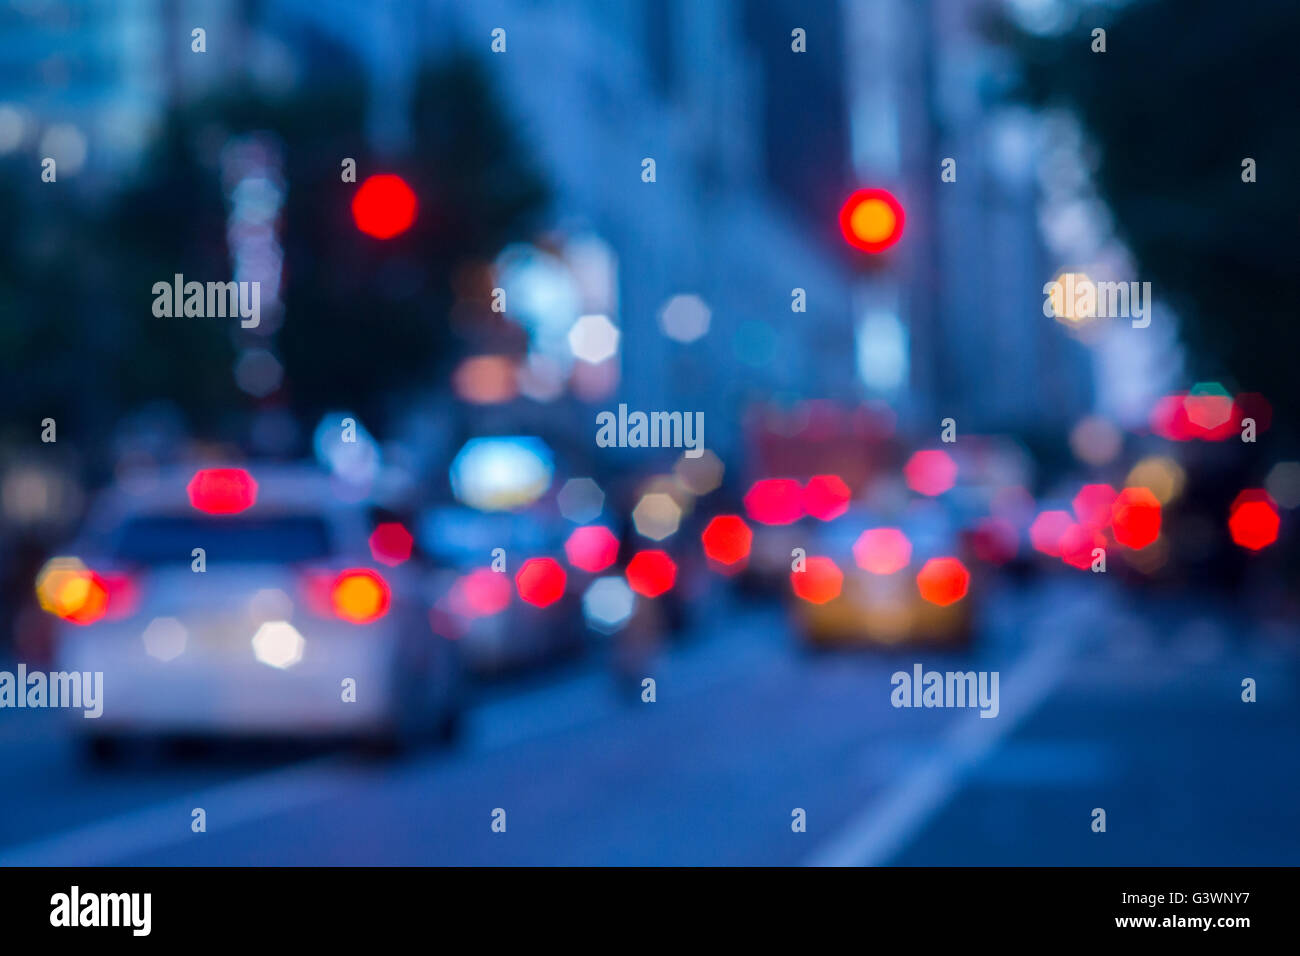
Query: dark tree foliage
[365, 320]
[1185, 91]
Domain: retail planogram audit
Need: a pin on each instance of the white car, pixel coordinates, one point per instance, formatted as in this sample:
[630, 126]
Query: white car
[246, 602]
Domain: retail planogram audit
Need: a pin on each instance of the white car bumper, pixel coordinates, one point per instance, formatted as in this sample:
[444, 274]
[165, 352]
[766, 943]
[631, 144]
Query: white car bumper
[216, 683]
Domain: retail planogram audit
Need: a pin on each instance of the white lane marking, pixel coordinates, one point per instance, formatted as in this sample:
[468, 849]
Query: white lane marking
[881, 829]
[164, 824]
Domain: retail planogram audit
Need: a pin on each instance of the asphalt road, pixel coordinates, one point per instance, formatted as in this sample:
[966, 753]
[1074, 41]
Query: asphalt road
[1107, 700]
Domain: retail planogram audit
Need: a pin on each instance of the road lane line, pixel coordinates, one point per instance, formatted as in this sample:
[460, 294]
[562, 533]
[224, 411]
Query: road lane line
[886, 826]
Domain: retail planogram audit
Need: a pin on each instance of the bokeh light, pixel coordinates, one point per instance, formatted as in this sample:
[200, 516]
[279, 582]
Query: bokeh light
[258, 372]
[1093, 503]
[727, 540]
[222, 491]
[775, 501]
[1253, 519]
[384, 206]
[699, 475]
[1065, 302]
[278, 644]
[485, 380]
[591, 548]
[943, 581]
[360, 596]
[608, 603]
[684, 318]
[1160, 474]
[930, 472]
[1135, 517]
[819, 582]
[657, 516]
[593, 338]
[391, 543]
[580, 500]
[1095, 441]
[872, 220]
[541, 581]
[1208, 405]
[1283, 483]
[651, 573]
[882, 550]
[67, 588]
[826, 497]
[501, 473]
[481, 593]
[164, 638]
[1078, 542]
[1046, 530]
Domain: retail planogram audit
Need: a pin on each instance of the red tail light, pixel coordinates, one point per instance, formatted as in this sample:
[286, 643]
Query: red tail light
[651, 573]
[68, 589]
[83, 598]
[360, 595]
[123, 594]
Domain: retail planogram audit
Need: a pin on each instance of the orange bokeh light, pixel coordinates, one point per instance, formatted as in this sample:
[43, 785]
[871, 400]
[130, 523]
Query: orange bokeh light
[820, 581]
[943, 581]
[360, 595]
[872, 220]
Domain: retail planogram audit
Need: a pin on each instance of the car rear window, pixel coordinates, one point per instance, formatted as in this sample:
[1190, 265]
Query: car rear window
[280, 540]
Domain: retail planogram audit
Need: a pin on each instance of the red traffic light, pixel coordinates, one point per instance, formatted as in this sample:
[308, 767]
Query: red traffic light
[871, 220]
[384, 206]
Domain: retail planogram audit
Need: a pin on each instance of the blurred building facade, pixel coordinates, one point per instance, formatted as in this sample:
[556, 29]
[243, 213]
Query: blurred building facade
[754, 145]
[955, 328]
[675, 82]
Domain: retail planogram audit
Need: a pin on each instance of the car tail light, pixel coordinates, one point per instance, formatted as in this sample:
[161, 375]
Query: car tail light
[123, 594]
[68, 589]
[360, 595]
[83, 599]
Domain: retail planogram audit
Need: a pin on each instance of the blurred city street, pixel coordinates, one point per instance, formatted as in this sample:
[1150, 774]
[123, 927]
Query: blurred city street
[660, 432]
[1106, 701]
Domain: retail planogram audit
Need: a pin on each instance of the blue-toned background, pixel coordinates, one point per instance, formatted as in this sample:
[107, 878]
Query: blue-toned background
[518, 270]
